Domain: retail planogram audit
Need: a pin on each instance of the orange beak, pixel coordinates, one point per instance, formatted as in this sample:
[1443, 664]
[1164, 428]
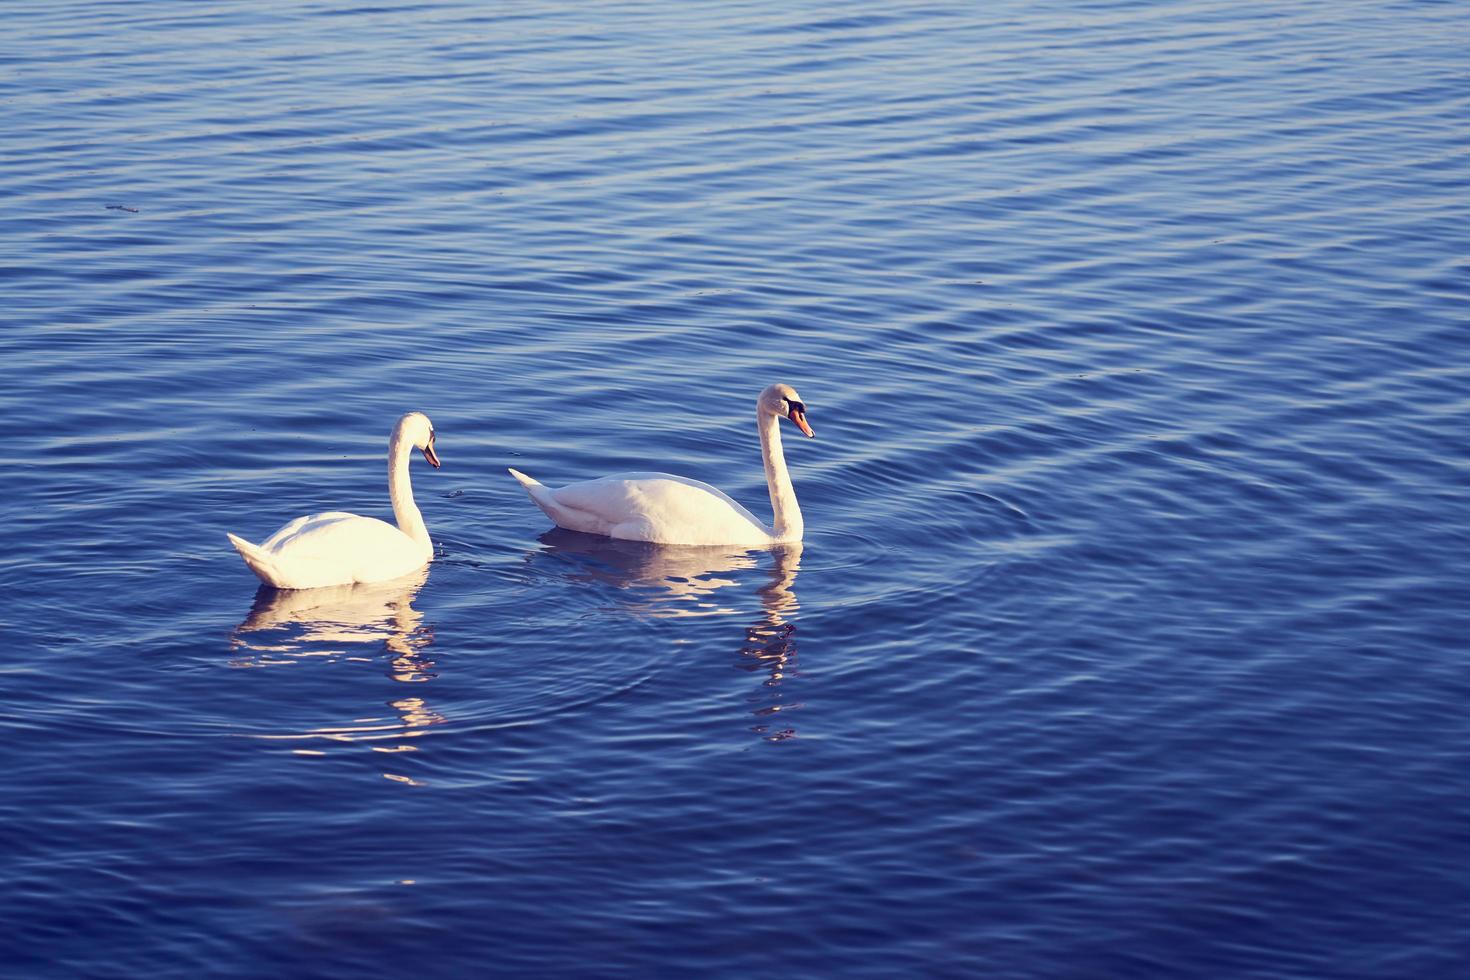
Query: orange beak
[430, 455]
[799, 417]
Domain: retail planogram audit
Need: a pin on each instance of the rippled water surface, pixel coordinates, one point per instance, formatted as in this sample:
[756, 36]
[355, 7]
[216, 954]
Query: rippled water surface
[1128, 635]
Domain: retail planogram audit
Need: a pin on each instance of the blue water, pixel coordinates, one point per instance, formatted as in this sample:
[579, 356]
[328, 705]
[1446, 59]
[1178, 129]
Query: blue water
[1128, 637]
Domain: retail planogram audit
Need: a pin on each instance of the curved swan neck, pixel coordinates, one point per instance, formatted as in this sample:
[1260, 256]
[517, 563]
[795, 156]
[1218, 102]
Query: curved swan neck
[786, 520]
[400, 490]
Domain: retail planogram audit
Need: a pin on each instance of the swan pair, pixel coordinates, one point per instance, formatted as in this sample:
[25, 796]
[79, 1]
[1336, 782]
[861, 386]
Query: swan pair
[343, 549]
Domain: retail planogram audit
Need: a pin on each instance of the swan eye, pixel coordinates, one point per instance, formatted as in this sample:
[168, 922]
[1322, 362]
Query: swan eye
[795, 407]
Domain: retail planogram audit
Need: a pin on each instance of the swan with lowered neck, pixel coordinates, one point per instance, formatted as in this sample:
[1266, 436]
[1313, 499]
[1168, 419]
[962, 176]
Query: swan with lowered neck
[666, 509]
[343, 549]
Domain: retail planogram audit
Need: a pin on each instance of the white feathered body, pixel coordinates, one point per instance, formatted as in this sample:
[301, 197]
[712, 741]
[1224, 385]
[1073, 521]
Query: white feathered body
[663, 509]
[656, 507]
[335, 548]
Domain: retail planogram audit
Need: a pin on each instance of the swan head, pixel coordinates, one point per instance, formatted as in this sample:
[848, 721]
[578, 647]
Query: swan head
[782, 401]
[418, 431]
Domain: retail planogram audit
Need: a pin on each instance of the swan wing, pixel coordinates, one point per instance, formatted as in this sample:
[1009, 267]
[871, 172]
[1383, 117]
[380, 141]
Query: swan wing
[657, 507]
[306, 528]
[338, 548]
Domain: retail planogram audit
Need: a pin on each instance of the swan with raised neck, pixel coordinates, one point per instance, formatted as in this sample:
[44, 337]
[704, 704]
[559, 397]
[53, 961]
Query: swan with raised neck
[338, 548]
[667, 509]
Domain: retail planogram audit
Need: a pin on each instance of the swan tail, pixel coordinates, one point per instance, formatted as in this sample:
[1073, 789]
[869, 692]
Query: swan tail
[259, 561]
[541, 496]
[524, 480]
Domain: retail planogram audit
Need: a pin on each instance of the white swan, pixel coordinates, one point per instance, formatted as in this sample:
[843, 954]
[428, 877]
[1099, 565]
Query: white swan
[342, 549]
[668, 509]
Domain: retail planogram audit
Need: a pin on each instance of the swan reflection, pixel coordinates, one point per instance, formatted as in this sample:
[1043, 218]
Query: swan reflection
[770, 643]
[346, 623]
[664, 581]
